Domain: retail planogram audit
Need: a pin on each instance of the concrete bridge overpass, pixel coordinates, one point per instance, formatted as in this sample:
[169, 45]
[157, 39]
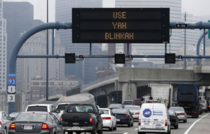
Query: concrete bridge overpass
[133, 82]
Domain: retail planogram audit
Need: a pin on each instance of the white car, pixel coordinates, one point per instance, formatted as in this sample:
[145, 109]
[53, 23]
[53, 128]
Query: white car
[61, 107]
[4, 118]
[154, 118]
[109, 120]
[42, 108]
[133, 109]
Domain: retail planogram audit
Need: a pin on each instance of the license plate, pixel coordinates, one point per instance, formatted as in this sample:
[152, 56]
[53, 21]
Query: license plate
[75, 128]
[158, 125]
[118, 119]
[27, 127]
[146, 123]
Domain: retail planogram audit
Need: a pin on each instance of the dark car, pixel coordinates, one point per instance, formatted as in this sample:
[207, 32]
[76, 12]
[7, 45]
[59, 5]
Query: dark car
[14, 115]
[33, 122]
[82, 118]
[137, 102]
[173, 119]
[123, 116]
[114, 106]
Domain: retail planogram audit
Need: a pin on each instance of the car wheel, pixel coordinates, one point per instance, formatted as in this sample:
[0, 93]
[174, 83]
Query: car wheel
[176, 126]
[111, 128]
[169, 131]
[115, 128]
[141, 133]
[129, 124]
[94, 131]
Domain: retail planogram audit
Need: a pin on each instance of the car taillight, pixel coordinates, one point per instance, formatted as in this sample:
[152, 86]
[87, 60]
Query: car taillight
[195, 112]
[126, 116]
[45, 126]
[91, 121]
[139, 122]
[166, 123]
[61, 119]
[180, 113]
[205, 105]
[12, 126]
[137, 113]
[0, 123]
[106, 118]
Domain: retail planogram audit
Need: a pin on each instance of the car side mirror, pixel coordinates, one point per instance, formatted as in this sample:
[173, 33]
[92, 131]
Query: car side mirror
[56, 111]
[132, 113]
[8, 118]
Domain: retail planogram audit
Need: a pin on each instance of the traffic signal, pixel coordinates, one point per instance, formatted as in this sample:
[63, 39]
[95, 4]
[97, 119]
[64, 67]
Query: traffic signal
[170, 58]
[70, 58]
[119, 58]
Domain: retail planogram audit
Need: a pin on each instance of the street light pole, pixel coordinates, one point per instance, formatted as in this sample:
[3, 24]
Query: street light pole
[47, 59]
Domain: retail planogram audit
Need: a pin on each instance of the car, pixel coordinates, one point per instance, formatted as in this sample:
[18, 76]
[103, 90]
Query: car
[137, 102]
[208, 105]
[4, 118]
[133, 109]
[112, 106]
[13, 115]
[127, 102]
[200, 108]
[173, 119]
[80, 118]
[61, 107]
[109, 120]
[181, 114]
[154, 118]
[205, 105]
[33, 122]
[42, 108]
[123, 116]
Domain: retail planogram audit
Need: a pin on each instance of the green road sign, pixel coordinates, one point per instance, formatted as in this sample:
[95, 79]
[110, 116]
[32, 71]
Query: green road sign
[209, 33]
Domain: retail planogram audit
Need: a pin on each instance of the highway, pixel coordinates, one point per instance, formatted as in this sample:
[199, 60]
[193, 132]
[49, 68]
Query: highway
[184, 128]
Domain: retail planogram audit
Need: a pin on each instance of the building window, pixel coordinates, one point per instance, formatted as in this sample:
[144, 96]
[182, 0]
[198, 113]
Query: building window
[43, 83]
[51, 83]
[35, 83]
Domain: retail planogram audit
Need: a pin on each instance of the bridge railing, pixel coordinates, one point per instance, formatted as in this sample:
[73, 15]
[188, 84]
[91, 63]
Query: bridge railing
[99, 80]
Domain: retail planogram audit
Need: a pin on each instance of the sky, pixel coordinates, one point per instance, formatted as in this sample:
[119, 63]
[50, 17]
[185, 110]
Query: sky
[195, 7]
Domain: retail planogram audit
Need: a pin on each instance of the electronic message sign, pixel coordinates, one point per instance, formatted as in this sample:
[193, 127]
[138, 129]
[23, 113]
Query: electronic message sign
[120, 25]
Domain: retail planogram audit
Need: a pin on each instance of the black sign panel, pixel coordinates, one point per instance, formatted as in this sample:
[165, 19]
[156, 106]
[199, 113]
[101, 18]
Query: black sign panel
[170, 58]
[120, 25]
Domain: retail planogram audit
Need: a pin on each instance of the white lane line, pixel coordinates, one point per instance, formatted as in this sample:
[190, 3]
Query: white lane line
[195, 123]
[125, 133]
[136, 129]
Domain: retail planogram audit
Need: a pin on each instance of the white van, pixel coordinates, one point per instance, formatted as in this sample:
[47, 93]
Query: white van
[154, 117]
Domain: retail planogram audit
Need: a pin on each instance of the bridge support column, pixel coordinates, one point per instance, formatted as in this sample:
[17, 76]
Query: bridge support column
[128, 92]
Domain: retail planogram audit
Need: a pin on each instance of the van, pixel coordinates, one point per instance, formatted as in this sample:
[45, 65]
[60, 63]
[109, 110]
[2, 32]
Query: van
[154, 118]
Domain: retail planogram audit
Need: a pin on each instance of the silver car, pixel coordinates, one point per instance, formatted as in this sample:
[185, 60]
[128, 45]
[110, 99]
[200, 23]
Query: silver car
[181, 114]
[33, 122]
[205, 105]
[133, 109]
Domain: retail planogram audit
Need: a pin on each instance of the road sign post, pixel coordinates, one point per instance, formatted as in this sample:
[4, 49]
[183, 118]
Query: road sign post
[11, 90]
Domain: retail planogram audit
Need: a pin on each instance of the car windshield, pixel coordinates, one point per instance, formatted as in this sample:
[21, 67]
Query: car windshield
[177, 108]
[114, 105]
[119, 111]
[32, 117]
[13, 114]
[128, 102]
[132, 108]
[37, 108]
[171, 112]
[138, 102]
[62, 106]
[105, 111]
[80, 109]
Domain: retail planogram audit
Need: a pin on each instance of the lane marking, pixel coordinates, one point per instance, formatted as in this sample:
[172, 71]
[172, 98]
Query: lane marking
[125, 133]
[136, 129]
[195, 123]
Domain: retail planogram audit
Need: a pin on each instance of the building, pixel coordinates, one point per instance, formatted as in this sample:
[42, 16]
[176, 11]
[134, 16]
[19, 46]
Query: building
[84, 71]
[3, 102]
[3, 50]
[38, 87]
[154, 49]
[29, 68]
[19, 16]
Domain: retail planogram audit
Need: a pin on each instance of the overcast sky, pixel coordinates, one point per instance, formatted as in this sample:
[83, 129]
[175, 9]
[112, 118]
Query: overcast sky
[195, 7]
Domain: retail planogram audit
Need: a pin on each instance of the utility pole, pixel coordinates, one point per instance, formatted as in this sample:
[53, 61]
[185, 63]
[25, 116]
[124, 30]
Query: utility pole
[47, 59]
[185, 41]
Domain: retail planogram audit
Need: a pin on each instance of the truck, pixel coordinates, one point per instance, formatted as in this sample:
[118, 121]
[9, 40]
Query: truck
[188, 98]
[79, 117]
[161, 93]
